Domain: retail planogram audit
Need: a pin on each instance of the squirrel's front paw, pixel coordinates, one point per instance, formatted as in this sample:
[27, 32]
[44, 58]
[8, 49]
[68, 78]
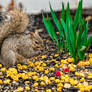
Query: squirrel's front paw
[21, 59]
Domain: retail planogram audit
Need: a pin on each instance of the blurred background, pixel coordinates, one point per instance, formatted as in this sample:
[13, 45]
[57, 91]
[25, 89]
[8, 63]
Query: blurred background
[35, 6]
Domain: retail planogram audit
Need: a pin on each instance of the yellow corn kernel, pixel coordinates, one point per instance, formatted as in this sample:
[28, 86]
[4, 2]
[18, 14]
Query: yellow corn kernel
[42, 83]
[35, 84]
[36, 90]
[48, 90]
[43, 57]
[52, 78]
[0, 65]
[20, 89]
[56, 55]
[1, 82]
[46, 71]
[35, 78]
[56, 66]
[7, 81]
[3, 69]
[59, 89]
[52, 69]
[82, 79]
[60, 85]
[57, 81]
[70, 59]
[27, 88]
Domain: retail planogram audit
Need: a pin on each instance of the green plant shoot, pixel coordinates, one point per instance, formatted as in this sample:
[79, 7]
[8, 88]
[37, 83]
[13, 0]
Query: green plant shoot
[76, 34]
[73, 32]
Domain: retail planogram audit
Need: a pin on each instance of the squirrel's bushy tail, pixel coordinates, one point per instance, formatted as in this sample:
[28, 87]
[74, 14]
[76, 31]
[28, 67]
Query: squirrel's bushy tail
[15, 21]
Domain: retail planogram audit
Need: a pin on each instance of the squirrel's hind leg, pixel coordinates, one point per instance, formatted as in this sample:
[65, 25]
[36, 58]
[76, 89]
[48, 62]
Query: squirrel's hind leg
[12, 58]
[8, 58]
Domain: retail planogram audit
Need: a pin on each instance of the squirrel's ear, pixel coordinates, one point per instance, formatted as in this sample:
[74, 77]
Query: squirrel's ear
[37, 31]
[36, 34]
[31, 34]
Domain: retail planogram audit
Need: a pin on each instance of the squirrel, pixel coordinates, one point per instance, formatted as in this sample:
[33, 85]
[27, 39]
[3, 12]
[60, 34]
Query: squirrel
[15, 45]
[20, 47]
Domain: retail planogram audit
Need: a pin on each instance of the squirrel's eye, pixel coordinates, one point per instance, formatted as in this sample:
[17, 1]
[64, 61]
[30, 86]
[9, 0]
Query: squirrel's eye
[7, 18]
[36, 42]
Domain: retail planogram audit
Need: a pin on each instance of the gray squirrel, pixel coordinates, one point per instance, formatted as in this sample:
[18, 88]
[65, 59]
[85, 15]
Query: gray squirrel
[16, 46]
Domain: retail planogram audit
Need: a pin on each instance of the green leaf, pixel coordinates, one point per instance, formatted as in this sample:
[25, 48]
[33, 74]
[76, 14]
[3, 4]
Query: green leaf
[47, 26]
[81, 55]
[78, 15]
[82, 39]
[64, 26]
[68, 15]
[56, 21]
[71, 35]
[50, 29]
[70, 27]
[80, 34]
[67, 38]
[63, 12]
[68, 11]
[63, 17]
[84, 35]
